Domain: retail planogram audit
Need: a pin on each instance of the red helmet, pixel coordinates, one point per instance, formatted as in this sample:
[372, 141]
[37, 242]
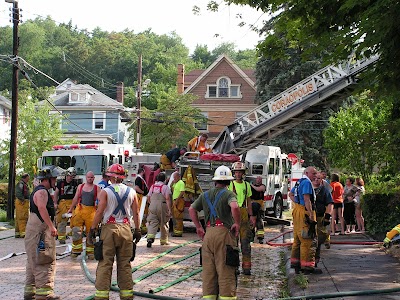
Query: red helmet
[116, 171]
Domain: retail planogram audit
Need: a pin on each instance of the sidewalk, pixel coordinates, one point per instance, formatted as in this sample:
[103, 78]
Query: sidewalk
[350, 268]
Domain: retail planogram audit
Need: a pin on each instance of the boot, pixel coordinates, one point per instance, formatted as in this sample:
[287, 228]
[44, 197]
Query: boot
[90, 256]
[29, 297]
[246, 271]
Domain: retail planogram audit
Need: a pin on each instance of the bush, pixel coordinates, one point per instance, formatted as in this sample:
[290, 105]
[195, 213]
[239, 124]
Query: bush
[3, 216]
[3, 195]
[381, 212]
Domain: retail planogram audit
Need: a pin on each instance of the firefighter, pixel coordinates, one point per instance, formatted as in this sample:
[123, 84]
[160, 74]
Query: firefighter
[21, 205]
[178, 204]
[117, 203]
[159, 210]
[257, 203]
[168, 160]
[142, 190]
[220, 255]
[242, 189]
[39, 283]
[304, 224]
[199, 144]
[63, 195]
[390, 235]
[83, 209]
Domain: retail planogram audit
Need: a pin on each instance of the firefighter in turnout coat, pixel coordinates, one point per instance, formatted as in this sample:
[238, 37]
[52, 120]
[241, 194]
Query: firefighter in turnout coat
[83, 215]
[21, 206]
[116, 202]
[242, 189]
[40, 243]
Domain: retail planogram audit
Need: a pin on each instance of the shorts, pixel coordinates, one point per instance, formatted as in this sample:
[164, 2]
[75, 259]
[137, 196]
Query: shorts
[338, 205]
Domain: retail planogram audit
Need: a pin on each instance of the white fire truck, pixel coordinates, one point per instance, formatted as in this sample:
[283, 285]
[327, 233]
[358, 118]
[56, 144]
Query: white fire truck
[86, 157]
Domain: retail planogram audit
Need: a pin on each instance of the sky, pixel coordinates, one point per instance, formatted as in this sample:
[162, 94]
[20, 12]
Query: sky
[161, 16]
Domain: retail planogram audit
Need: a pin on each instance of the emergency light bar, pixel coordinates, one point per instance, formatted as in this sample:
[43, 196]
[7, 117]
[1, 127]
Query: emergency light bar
[75, 147]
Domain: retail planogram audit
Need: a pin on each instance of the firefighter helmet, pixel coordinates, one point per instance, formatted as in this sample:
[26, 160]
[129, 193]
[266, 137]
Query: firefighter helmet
[50, 171]
[238, 166]
[116, 171]
[71, 171]
[223, 173]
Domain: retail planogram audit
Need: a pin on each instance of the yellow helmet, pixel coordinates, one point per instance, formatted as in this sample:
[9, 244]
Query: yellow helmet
[223, 173]
[238, 166]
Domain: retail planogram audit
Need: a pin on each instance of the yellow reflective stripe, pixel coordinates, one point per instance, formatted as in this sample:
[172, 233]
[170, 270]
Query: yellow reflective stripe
[178, 231]
[227, 298]
[126, 293]
[30, 289]
[62, 237]
[102, 294]
[89, 249]
[260, 232]
[44, 291]
[397, 229]
[77, 247]
[151, 236]
[386, 240]
[163, 240]
[213, 297]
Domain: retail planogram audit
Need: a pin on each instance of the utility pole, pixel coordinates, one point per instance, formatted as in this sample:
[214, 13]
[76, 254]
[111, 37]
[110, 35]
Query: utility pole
[14, 112]
[139, 100]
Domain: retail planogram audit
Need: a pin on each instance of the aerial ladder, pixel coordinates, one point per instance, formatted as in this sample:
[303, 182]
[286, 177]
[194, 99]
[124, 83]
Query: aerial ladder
[298, 103]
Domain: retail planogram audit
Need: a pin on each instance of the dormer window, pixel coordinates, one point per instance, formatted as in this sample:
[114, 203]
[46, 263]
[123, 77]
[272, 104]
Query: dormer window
[223, 88]
[78, 97]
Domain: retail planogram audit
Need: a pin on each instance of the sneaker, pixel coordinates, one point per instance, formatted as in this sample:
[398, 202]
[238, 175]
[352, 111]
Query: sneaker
[149, 244]
[246, 272]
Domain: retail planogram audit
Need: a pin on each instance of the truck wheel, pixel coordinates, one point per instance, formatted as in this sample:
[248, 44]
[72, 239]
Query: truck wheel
[278, 207]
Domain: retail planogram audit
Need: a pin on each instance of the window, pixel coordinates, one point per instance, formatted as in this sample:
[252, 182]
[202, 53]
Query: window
[202, 126]
[99, 120]
[76, 97]
[271, 166]
[223, 88]
[257, 169]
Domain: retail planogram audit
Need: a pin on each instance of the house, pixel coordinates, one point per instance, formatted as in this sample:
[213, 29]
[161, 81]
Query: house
[91, 116]
[5, 121]
[225, 92]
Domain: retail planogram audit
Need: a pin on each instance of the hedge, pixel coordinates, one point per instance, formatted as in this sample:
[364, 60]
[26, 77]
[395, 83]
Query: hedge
[381, 212]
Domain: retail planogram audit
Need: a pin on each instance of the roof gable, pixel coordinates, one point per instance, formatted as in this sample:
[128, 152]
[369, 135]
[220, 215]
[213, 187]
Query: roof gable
[213, 66]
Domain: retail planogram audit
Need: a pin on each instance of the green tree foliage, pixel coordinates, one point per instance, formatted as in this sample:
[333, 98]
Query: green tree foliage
[37, 131]
[171, 124]
[358, 138]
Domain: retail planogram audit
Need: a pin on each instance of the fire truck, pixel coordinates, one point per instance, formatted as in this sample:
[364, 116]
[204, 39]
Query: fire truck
[86, 157]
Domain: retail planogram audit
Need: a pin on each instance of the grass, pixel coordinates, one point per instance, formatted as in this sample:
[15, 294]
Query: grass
[301, 280]
[284, 291]
[3, 216]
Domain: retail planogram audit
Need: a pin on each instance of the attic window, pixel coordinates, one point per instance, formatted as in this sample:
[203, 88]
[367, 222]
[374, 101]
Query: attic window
[223, 88]
[75, 97]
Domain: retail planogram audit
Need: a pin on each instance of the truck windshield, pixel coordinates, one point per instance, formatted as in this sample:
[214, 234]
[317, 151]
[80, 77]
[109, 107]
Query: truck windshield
[82, 163]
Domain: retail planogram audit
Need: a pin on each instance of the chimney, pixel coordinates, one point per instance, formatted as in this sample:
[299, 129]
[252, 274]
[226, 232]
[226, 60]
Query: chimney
[120, 92]
[180, 81]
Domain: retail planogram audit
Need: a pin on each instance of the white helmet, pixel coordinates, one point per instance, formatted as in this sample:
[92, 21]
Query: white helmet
[71, 171]
[223, 173]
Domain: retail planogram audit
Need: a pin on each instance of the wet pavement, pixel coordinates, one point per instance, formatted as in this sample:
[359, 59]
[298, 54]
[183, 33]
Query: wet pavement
[71, 282]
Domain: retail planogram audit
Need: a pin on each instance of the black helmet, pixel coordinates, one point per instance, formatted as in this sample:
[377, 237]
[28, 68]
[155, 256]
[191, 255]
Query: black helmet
[50, 171]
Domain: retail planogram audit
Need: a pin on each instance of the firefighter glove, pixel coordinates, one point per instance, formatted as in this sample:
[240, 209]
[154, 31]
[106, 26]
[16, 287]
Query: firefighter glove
[311, 230]
[327, 220]
[92, 233]
[387, 243]
[137, 235]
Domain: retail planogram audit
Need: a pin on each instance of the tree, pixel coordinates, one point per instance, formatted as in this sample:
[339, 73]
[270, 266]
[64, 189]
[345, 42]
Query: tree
[37, 131]
[358, 138]
[171, 124]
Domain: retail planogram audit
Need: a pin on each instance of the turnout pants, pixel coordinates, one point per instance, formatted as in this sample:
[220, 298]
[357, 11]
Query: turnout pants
[21, 217]
[158, 218]
[117, 242]
[63, 207]
[39, 280]
[303, 249]
[178, 208]
[322, 235]
[245, 235]
[257, 206]
[165, 163]
[219, 280]
[82, 219]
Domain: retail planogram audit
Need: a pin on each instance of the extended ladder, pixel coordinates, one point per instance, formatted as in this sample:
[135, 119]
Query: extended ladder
[291, 107]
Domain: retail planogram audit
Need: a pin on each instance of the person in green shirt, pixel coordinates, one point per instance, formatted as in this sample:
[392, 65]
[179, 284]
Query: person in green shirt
[178, 204]
[242, 189]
